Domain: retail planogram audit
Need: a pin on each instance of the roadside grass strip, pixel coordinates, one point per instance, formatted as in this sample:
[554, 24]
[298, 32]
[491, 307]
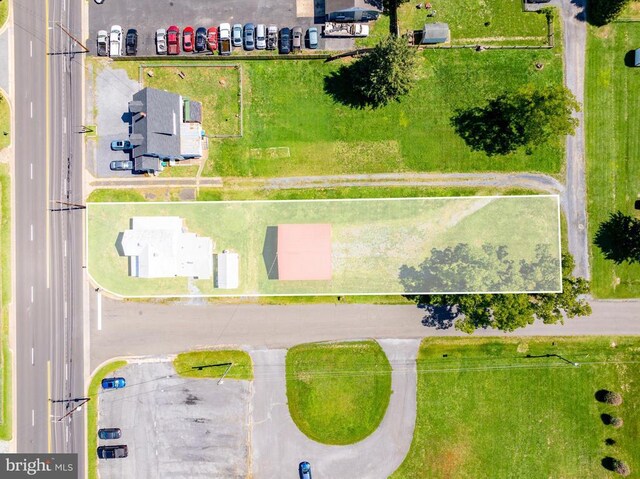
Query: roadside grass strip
[92, 413]
[214, 363]
[338, 392]
[6, 381]
[373, 246]
[518, 407]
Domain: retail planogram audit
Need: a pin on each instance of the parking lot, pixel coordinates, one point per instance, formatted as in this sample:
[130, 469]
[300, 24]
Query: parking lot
[146, 16]
[176, 427]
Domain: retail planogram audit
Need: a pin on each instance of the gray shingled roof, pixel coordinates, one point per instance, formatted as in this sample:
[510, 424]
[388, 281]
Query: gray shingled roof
[340, 5]
[435, 33]
[158, 122]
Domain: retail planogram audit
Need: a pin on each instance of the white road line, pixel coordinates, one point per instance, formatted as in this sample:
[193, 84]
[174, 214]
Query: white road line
[65, 248]
[31, 108]
[33, 418]
[64, 125]
[66, 429]
[30, 48]
[31, 232]
[64, 66]
[64, 6]
[65, 309]
[31, 171]
[99, 306]
[32, 294]
[66, 371]
[33, 361]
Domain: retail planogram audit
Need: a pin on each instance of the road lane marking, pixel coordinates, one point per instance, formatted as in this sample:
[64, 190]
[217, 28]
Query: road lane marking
[49, 405]
[30, 48]
[31, 108]
[64, 6]
[66, 433]
[31, 232]
[64, 125]
[31, 171]
[33, 361]
[65, 248]
[99, 311]
[65, 309]
[33, 418]
[66, 371]
[47, 138]
[32, 294]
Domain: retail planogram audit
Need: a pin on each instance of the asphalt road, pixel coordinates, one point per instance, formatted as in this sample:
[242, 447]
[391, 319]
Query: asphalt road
[49, 333]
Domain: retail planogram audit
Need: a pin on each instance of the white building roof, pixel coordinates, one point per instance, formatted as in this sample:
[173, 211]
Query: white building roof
[158, 247]
[228, 270]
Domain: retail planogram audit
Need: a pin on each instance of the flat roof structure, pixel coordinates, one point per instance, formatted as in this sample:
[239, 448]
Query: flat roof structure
[228, 267]
[304, 252]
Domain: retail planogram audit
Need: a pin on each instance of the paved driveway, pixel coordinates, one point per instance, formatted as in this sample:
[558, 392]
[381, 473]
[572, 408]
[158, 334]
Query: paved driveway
[176, 427]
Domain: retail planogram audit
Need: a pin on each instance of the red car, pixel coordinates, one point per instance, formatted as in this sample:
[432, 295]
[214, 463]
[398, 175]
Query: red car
[187, 39]
[173, 40]
[212, 39]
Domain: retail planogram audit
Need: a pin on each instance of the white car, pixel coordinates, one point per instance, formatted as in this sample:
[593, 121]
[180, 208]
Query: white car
[261, 37]
[115, 41]
[161, 41]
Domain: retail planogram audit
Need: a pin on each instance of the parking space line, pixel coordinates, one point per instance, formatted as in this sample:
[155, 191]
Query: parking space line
[33, 418]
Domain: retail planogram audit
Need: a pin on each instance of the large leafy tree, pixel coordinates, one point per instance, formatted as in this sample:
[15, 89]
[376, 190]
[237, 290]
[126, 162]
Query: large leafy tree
[508, 312]
[619, 238]
[601, 12]
[385, 73]
[524, 118]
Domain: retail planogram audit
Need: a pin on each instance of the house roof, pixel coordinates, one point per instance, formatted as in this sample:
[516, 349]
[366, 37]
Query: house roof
[435, 33]
[228, 270]
[304, 252]
[342, 5]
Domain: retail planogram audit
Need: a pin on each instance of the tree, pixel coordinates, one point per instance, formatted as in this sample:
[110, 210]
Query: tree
[601, 12]
[621, 467]
[617, 422]
[385, 73]
[524, 118]
[619, 238]
[508, 312]
[613, 398]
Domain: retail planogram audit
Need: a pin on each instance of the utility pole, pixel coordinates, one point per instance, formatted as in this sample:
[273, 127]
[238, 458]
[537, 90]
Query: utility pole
[82, 402]
[86, 50]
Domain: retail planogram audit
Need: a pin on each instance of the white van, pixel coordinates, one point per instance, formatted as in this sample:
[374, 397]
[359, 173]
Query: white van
[261, 37]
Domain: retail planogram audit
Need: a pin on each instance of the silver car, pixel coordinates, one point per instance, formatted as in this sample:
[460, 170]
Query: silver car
[161, 41]
[261, 37]
[236, 35]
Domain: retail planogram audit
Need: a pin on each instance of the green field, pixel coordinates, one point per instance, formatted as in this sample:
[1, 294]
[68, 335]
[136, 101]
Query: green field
[5, 117]
[613, 146]
[329, 400]
[5, 295]
[485, 410]
[371, 239]
[4, 12]
[241, 368]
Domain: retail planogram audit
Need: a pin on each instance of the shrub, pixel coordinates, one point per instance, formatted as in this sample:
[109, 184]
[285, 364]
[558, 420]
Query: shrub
[617, 422]
[621, 467]
[613, 398]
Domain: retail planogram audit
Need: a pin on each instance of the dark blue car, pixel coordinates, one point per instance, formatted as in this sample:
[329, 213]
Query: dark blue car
[249, 36]
[113, 383]
[110, 433]
[304, 469]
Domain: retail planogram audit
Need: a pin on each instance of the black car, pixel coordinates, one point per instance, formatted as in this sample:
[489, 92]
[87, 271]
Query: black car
[201, 39]
[285, 40]
[110, 433]
[113, 452]
[132, 41]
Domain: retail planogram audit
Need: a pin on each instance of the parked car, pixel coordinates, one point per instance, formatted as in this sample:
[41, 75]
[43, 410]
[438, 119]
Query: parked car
[236, 35]
[161, 41]
[110, 433]
[212, 39]
[272, 37]
[118, 145]
[312, 37]
[113, 383]
[173, 40]
[249, 36]
[297, 38]
[224, 39]
[201, 39]
[304, 469]
[115, 41]
[261, 37]
[187, 39]
[132, 41]
[101, 43]
[285, 40]
[113, 452]
[121, 165]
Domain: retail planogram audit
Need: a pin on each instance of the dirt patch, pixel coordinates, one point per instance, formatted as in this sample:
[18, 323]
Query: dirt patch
[603, 32]
[450, 461]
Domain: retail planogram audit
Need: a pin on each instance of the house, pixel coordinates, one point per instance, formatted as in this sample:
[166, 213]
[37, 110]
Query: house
[352, 10]
[164, 127]
[433, 33]
[160, 247]
[304, 252]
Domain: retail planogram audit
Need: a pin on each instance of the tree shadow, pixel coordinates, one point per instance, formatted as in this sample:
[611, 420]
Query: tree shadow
[630, 59]
[601, 395]
[438, 317]
[606, 419]
[118, 244]
[610, 441]
[619, 238]
[270, 252]
[582, 14]
[339, 86]
[609, 463]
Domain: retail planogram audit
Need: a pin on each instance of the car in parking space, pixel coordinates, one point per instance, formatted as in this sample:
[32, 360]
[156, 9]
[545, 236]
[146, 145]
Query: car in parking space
[109, 433]
[173, 40]
[102, 41]
[113, 383]
[249, 36]
[161, 41]
[297, 38]
[212, 39]
[312, 38]
[285, 40]
[113, 452]
[304, 470]
[201, 39]
[118, 145]
[121, 165]
[132, 41]
[261, 37]
[187, 39]
[236, 35]
[115, 41]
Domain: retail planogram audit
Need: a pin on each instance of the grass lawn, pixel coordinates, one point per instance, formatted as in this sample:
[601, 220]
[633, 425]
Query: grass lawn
[485, 410]
[92, 414]
[613, 146]
[292, 127]
[4, 12]
[5, 294]
[5, 115]
[338, 392]
[242, 367]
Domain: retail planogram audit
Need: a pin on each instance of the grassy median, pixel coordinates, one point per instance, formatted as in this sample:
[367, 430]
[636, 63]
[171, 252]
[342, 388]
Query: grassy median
[5, 114]
[215, 363]
[338, 392]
